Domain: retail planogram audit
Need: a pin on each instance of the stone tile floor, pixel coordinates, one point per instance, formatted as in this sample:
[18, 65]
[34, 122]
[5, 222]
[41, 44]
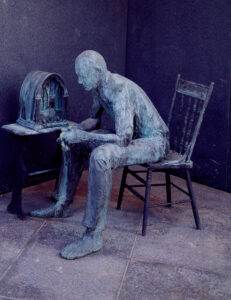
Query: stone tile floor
[173, 261]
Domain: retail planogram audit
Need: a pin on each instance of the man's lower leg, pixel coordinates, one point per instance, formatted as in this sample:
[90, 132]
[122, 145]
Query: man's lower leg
[70, 174]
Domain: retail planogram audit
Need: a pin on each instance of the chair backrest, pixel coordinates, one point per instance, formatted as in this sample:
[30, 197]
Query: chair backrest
[186, 114]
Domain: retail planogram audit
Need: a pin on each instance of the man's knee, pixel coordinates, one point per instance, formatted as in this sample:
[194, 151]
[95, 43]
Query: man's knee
[100, 159]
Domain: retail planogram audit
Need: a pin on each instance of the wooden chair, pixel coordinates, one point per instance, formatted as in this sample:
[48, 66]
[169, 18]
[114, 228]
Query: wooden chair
[186, 113]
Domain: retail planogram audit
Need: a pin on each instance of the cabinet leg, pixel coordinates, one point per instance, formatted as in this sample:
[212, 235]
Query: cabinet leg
[19, 179]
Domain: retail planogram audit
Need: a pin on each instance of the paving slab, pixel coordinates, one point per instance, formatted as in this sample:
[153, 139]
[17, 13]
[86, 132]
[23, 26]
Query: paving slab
[116, 241]
[122, 220]
[179, 245]
[161, 281]
[211, 219]
[14, 236]
[214, 206]
[173, 261]
[40, 273]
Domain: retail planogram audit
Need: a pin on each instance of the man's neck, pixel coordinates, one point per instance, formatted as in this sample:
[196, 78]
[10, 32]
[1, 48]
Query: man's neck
[104, 80]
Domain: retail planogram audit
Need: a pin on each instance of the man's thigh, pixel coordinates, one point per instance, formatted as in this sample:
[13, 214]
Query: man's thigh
[145, 150]
[139, 151]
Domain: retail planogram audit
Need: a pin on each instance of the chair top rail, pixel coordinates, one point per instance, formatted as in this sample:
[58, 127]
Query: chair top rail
[192, 89]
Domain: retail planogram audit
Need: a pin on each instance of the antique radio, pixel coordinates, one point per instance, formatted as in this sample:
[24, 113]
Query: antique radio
[43, 101]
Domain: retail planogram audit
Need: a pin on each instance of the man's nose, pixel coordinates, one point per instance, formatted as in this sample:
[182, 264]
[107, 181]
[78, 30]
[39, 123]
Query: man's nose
[80, 81]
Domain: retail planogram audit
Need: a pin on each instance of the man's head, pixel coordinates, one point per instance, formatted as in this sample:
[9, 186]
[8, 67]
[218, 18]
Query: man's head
[90, 68]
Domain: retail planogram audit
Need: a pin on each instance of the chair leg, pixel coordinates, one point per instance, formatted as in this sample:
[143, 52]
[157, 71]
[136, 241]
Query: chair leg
[122, 186]
[146, 202]
[168, 188]
[193, 201]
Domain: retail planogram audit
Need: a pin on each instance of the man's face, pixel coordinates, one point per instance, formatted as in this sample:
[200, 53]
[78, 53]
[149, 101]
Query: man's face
[88, 76]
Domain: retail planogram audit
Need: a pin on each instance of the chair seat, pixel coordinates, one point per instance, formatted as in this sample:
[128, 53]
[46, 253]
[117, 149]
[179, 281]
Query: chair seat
[173, 160]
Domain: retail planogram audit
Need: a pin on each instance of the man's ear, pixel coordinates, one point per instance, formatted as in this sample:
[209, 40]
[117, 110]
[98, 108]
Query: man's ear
[98, 69]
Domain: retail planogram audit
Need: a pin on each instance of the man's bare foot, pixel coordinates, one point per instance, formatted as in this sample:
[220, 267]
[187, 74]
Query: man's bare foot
[55, 211]
[89, 243]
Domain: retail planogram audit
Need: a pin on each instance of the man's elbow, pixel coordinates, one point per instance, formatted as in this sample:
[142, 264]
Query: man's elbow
[125, 140]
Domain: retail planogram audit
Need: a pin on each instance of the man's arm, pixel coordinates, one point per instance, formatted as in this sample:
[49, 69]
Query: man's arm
[123, 126]
[124, 118]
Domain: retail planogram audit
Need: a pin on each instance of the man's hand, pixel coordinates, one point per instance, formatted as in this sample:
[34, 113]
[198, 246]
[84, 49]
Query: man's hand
[66, 139]
[62, 140]
[70, 137]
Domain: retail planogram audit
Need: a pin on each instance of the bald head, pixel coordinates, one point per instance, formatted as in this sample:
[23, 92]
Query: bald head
[92, 59]
[90, 67]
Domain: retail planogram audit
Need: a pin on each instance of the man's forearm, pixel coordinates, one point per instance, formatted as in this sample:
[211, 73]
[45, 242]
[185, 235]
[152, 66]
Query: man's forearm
[76, 136]
[79, 136]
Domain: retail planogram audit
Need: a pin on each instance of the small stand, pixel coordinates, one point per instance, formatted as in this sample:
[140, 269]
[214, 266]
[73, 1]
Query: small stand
[21, 135]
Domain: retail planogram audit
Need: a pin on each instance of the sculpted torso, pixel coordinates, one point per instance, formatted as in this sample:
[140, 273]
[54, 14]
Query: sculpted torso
[130, 108]
[128, 105]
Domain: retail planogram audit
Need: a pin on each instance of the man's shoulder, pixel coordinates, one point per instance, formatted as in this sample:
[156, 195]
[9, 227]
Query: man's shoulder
[122, 82]
[117, 82]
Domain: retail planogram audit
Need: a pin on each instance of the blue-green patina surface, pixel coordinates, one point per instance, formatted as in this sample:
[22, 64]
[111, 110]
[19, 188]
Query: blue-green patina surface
[43, 101]
[140, 136]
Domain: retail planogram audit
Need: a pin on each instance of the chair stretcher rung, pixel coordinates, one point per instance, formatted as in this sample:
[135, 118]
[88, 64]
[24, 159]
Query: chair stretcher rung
[136, 185]
[172, 203]
[138, 171]
[37, 173]
[177, 187]
[142, 185]
[137, 176]
[134, 192]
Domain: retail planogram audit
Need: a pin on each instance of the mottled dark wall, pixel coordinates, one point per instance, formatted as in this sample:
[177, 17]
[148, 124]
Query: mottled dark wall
[191, 37]
[48, 35]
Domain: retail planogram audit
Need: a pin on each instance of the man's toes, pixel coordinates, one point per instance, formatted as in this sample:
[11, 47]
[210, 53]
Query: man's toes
[43, 213]
[70, 251]
[52, 211]
[81, 247]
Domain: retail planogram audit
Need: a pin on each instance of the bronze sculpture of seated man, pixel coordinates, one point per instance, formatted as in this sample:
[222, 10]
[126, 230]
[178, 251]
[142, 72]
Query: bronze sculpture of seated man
[140, 136]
